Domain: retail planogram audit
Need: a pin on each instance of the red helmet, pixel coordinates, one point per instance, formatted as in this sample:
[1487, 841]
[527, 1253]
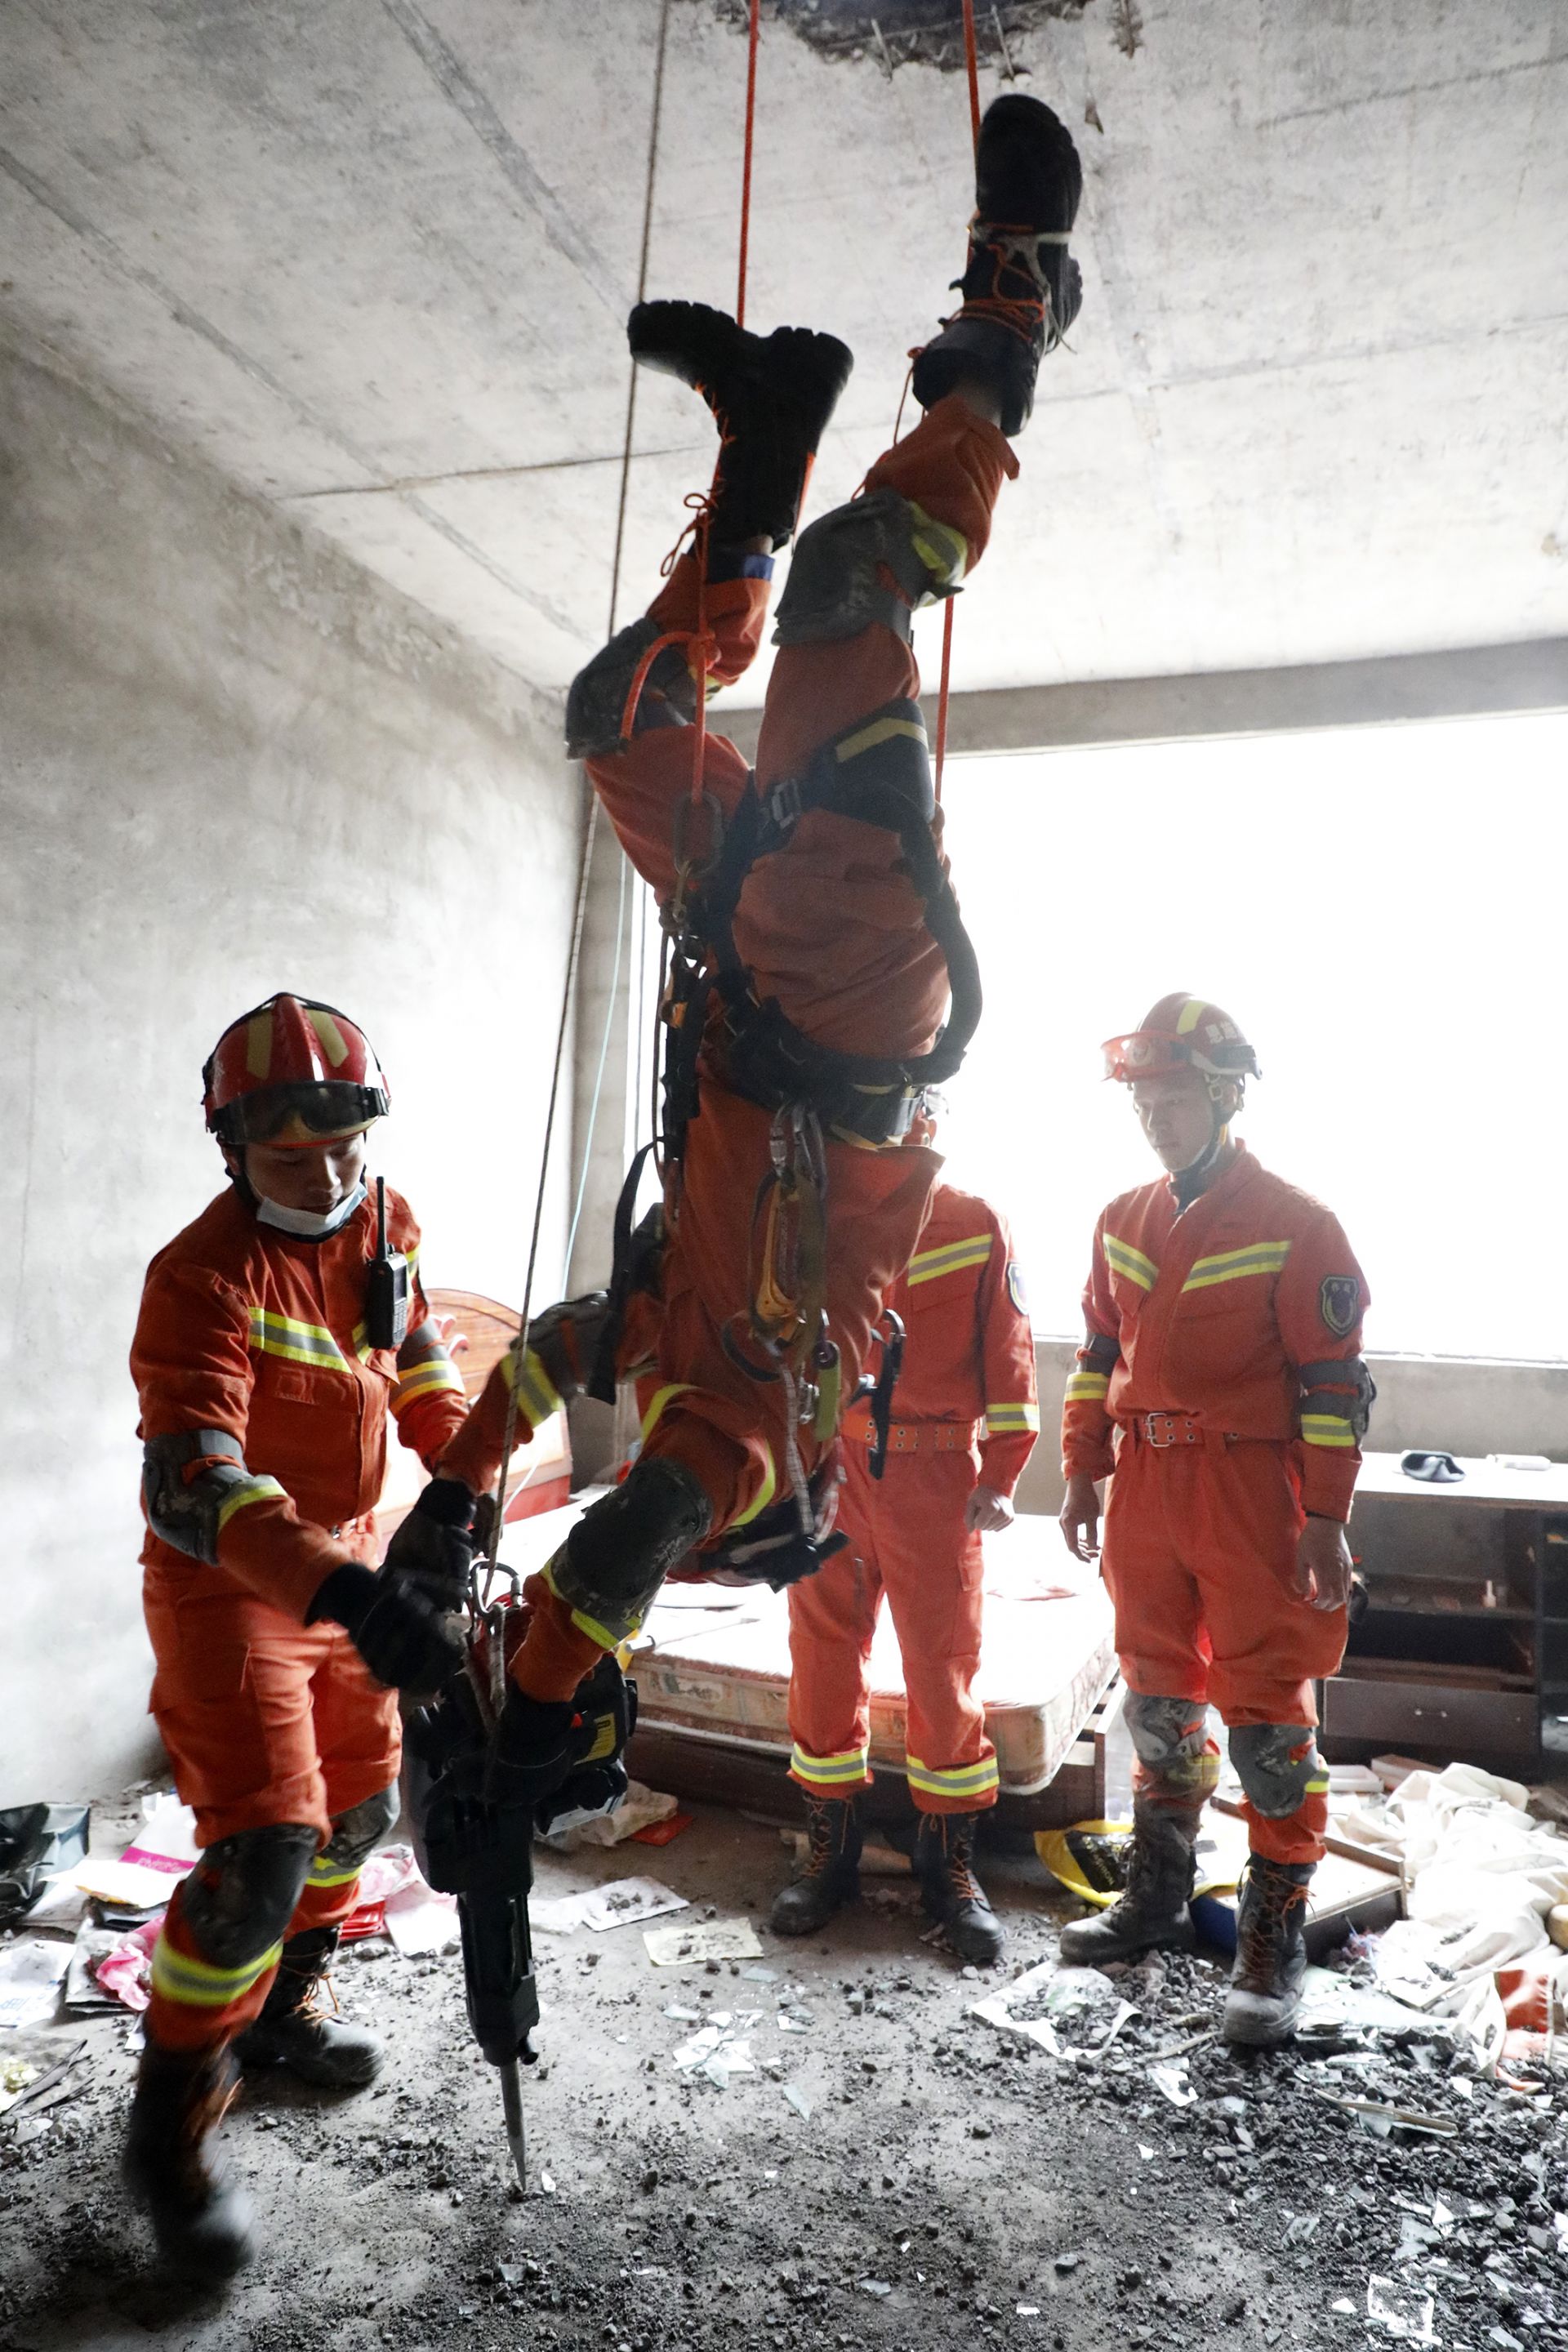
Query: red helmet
[291, 1074]
[1180, 1033]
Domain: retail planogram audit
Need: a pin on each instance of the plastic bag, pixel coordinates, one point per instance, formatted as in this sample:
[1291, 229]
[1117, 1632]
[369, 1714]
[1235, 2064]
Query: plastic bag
[37, 1841]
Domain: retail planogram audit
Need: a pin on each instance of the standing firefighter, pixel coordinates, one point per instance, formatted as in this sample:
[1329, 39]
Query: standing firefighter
[967, 1420]
[275, 1335]
[817, 938]
[1224, 1312]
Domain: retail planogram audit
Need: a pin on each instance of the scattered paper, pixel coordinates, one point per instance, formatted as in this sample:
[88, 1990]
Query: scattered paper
[1405, 2311]
[30, 1973]
[126, 1886]
[1172, 2080]
[707, 1939]
[622, 1903]
[166, 1839]
[717, 2053]
[640, 1810]
[798, 2101]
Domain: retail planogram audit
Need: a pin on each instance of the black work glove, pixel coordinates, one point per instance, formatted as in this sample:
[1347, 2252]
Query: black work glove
[565, 1339]
[433, 1551]
[403, 1638]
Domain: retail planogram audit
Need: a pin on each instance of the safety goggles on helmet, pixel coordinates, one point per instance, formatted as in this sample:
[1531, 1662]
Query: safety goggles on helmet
[299, 1118]
[1147, 1053]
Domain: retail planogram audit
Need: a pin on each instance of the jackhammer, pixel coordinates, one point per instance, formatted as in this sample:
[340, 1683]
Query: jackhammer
[472, 1842]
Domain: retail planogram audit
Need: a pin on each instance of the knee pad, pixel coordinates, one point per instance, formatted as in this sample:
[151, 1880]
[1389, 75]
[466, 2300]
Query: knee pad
[1171, 1739]
[355, 1833]
[835, 588]
[241, 1895]
[596, 699]
[622, 1548]
[1277, 1765]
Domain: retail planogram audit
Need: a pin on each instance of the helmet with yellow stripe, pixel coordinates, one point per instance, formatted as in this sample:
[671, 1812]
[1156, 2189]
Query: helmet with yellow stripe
[292, 1073]
[1180, 1033]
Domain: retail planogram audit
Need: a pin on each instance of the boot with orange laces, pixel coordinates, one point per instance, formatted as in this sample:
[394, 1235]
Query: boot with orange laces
[1264, 1996]
[296, 2030]
[832, 1873]
[175, 2164]
[944, 1866]
[1021, 288]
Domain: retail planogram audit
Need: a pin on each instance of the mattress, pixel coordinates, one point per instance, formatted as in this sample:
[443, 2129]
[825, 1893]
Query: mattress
[714, 1661]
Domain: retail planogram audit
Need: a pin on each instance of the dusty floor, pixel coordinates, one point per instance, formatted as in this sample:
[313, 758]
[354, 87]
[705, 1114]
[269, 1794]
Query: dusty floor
[948, 2187]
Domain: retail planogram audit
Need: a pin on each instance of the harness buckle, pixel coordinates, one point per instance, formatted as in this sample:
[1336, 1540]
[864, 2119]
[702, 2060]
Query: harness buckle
[786, 805]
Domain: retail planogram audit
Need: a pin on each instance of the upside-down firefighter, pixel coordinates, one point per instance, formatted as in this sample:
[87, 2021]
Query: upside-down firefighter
[815, 940]
[1221, 1379]
[275, 1335]
[919, 1494]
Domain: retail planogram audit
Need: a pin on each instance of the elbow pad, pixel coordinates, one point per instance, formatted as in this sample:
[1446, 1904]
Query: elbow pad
[190, 1514]
[1342, 1389]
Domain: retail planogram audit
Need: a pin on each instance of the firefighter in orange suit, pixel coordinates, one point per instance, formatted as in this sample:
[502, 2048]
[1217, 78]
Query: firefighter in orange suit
[270, 1348]
[967, 1418]
[1221, 1379]
[817, 936]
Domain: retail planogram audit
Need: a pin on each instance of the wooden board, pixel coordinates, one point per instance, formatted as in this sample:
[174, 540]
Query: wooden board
[478, 1332]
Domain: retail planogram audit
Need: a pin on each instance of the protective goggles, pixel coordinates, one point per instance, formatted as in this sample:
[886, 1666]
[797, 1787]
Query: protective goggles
[1144, 1054]
[300, 1117]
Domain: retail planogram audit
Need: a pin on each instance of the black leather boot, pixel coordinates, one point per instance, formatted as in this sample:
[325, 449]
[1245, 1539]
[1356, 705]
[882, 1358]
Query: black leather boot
[1264, 1996]
[771, 395]
[831, 1877]
[175, 2164]
[295, 2031]
[1151, 1913]
[945, 1857]
[1021, 288]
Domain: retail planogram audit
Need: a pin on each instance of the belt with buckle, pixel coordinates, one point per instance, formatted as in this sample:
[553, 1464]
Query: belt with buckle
[922, 1436]
[1164, 1430]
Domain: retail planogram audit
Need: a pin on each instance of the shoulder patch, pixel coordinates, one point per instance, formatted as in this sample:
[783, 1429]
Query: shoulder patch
[1339, 1303]
[1015, 1289]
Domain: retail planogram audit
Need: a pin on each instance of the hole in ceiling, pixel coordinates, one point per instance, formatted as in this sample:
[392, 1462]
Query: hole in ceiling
[893, 33]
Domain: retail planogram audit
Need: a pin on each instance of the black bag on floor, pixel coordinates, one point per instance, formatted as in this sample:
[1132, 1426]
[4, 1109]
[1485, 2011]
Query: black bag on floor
[35, 1841]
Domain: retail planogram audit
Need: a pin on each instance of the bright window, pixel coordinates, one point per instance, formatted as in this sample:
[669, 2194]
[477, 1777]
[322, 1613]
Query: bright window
[1381, 911]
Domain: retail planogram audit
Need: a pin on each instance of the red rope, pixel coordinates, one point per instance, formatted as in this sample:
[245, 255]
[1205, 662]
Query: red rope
[972, 61]
[746, 166]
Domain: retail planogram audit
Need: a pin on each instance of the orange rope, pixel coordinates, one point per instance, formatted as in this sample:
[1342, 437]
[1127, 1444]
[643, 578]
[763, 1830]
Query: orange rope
[972, 63]
[746, 166]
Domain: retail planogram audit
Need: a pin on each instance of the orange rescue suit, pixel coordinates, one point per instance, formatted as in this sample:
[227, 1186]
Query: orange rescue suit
[257, 1334]
[966, 1414]
[831, 925]
[1188, 1386]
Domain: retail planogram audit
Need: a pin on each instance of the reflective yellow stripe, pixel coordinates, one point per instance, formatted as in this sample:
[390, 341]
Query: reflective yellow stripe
[1318, 1787]
[881, 731]
[434, 1377]
[197, 1984]
[585, 1624]
[255, 1490]
[944, 551]
[927, 1264]
[1187, 1019]
[1083, 1386]
[1327, 1429]
[326, 1873]
[832, 1771]
[1000, 1418]
[657, 1402]
[412, 1255]
[535, 1391]
[362, 1348]
[298, 1343]
[770, 1487]
[1229, 1265]
[963, 1780]
[1122, 1258]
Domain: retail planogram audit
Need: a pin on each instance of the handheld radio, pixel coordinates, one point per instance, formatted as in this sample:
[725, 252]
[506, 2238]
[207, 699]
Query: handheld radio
[387, 1289]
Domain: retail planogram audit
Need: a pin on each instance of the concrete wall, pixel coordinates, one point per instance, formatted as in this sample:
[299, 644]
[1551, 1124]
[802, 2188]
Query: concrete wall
[1455, 1402]
[229, 762]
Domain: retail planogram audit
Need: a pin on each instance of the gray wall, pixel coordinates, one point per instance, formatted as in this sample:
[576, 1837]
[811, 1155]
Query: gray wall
[229, 762]
[1462, 1405]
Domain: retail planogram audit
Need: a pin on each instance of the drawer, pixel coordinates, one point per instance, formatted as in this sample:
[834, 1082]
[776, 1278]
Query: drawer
[1431, 1714]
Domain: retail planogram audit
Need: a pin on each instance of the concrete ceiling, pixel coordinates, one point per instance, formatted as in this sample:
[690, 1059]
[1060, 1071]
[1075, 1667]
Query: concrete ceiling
[372, 258]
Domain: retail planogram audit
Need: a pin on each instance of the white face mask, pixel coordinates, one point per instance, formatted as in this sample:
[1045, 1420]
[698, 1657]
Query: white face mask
[308, 1222]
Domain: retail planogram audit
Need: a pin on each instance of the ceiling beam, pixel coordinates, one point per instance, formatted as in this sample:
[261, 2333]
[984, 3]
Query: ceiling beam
[1476, 681]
